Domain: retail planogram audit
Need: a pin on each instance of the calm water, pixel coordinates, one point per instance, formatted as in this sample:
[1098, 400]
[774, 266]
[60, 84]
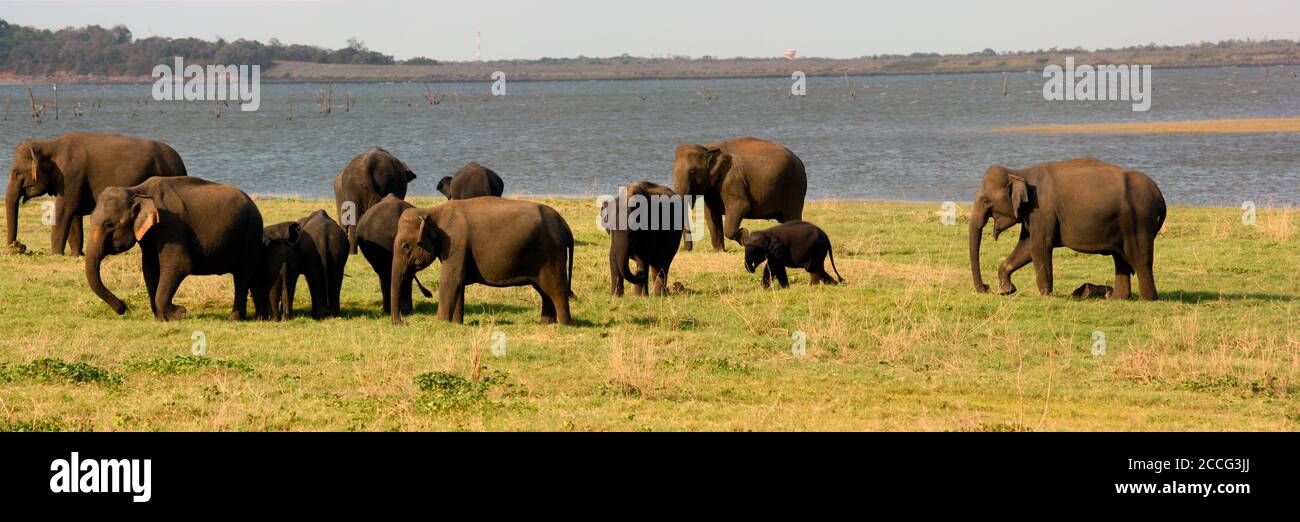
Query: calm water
[909, 138]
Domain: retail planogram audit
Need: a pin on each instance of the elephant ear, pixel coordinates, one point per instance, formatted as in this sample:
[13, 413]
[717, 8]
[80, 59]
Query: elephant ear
[34, 151]
[146, 216]
[1019, 193]
[410, 176]
[777, 252]
[719, 164]
[294, 231]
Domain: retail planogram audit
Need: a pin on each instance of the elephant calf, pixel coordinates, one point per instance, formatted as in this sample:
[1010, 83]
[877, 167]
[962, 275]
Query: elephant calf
[1086, 204]
[796, 244]
[472, 181]
[322, 249]
[185, 226]
[652, 246]
[490, 241]
[375, 234]
[279, 275]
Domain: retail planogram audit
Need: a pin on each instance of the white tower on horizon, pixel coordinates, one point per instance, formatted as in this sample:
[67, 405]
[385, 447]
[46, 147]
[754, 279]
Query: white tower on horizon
[478, 46]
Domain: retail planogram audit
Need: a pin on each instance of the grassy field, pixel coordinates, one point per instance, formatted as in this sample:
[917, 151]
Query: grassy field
[905, 345]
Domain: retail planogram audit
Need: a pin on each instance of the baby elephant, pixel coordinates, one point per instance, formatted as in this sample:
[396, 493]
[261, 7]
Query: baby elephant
[794, 244]
[322, 247]
[472, 181]
[280, 271]
[651, 245]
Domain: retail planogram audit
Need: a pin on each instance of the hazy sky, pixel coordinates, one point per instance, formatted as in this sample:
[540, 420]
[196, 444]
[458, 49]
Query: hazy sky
[563, 28]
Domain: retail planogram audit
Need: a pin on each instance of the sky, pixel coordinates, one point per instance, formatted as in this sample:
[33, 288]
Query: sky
[565, 28]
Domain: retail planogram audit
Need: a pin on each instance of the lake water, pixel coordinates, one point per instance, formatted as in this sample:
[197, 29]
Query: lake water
[907, 138]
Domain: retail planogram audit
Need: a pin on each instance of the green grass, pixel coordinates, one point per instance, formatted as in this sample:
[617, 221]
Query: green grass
[905, 345]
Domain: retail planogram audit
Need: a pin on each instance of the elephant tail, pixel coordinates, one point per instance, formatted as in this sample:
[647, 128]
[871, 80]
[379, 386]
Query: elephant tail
[425, 291]
[1160, 214]
[831, 251]
[570, 278]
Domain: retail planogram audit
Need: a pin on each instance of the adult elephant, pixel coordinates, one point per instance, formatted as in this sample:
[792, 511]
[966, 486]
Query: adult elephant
[75, 168]
[489, 241]
[363, 182]
[375, 234]
[322, 254]
[1086, 205]
[472, 181]
[745, 178]
[185, 226]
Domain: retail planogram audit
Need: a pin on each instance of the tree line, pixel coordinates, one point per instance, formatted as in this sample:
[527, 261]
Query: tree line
[114, 51]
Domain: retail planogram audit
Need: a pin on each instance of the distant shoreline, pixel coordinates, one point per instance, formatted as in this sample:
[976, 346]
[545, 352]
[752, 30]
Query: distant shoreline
[634, 69]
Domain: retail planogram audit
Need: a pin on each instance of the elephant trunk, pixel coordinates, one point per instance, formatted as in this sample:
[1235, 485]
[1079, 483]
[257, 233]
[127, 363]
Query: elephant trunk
[621, 242]
[978, 218]
[95, 253]
[13, 198]
[397, 281]
[683, 190]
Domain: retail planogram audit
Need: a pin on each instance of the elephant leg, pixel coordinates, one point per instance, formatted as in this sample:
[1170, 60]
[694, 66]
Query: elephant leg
[1019, 257]
[174, 266]
[814, 277]
[149, 267]
[383, 269]
[451, 288]
[1144, 265]
[62, 226]
[316, 286]
[290, 288]
[1123, 279]
[778, 273]
[767, 276]
[615, 278]
[1042, 257]
[548, 305]
[243, 286]
[659, 275]
[458, 313]
[715, 228]
[75, 239]
[731, 228]
[641, 269]
[560, 303]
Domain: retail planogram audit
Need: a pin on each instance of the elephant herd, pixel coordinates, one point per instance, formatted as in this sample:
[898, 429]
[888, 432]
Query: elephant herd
[138, 192]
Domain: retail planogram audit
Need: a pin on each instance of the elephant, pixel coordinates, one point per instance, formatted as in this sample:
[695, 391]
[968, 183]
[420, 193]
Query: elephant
[490, 241]
[745, 178]
[794, 244]
[185, 226]
[322, 248]
[1086, 204]
[652, 246]
[75, 168]
[375, 234]
[472, 181]
[279, 275]
[363, 182]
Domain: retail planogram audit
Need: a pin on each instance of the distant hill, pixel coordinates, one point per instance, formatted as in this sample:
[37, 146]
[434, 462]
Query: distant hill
[96, 54]
[94, 51]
